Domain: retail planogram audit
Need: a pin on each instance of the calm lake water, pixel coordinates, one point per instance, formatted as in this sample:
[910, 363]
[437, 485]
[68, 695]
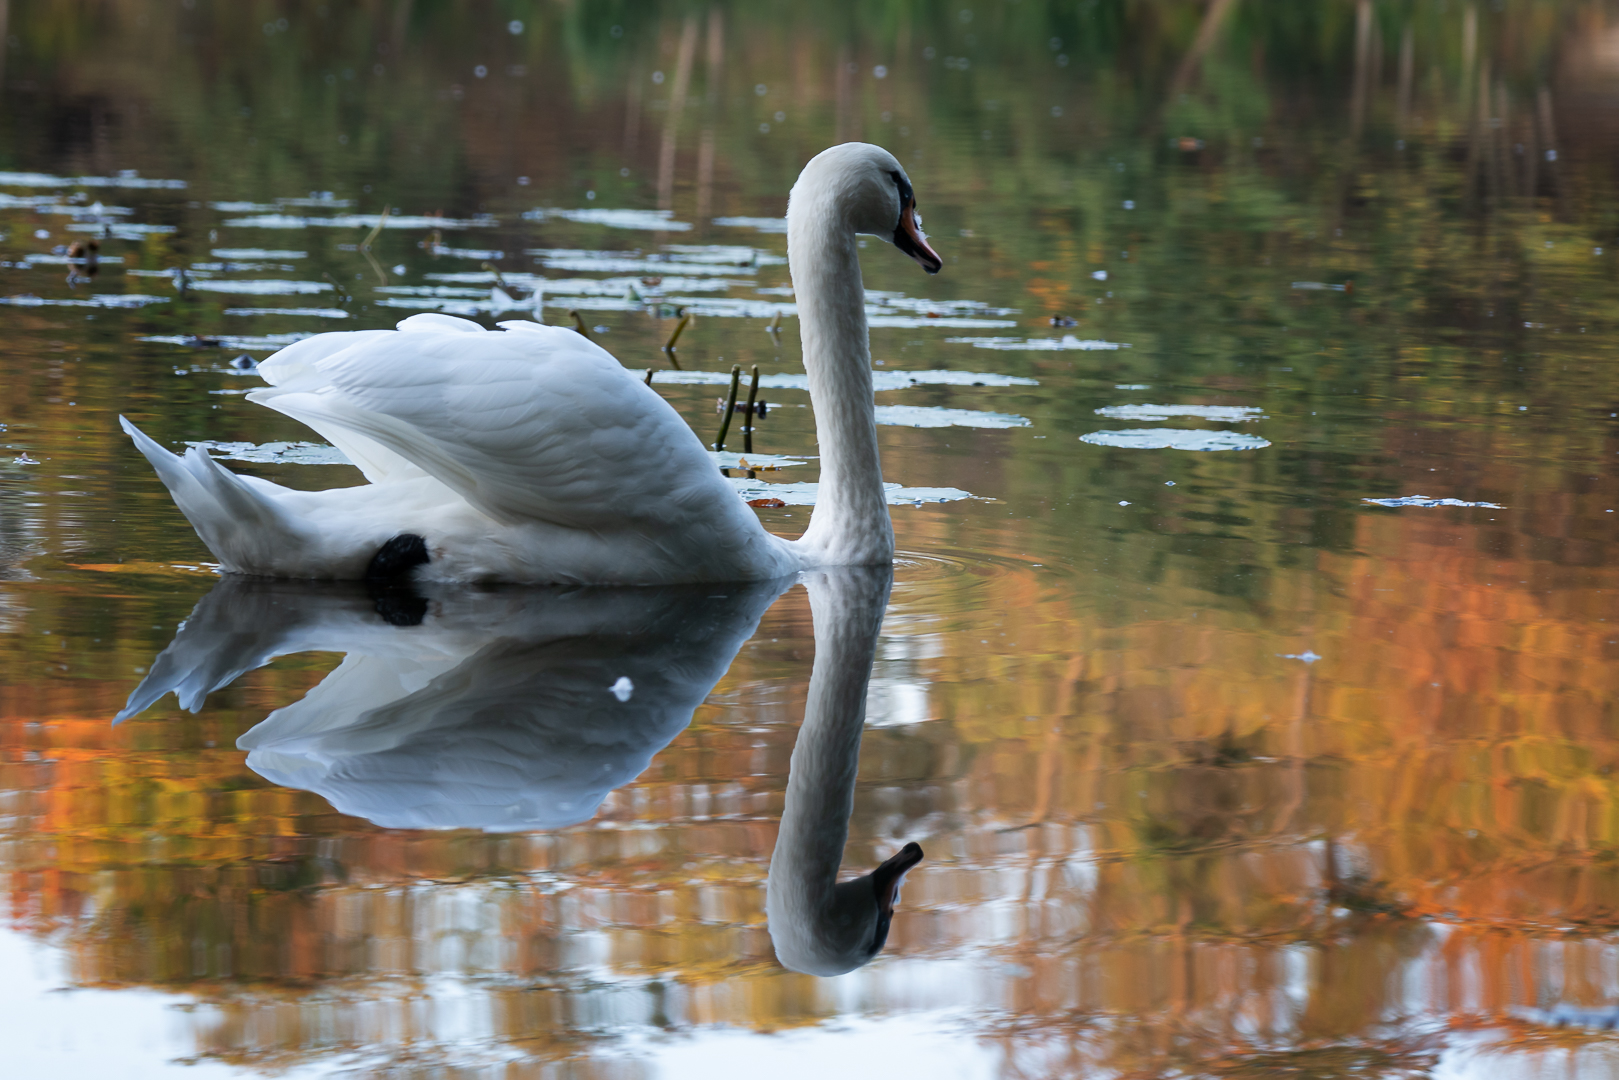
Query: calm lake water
[1248, 674]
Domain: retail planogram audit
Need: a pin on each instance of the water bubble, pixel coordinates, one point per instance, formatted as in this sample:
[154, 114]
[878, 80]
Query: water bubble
[764, 129]
[515, 26]
[1056, 110]
[929, 53]
[624, 171]
[965, 15]
[880, 71]
[590, 195]
[480, 71]
[760, 90]
[657, 78]
[1129, 204]
[1054, 44]
[377, 69]
[617, 31]
[522, 181]
[1062, 59]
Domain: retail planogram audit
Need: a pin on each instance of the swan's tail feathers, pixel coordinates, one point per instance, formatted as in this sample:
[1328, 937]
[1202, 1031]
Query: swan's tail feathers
[238, 519]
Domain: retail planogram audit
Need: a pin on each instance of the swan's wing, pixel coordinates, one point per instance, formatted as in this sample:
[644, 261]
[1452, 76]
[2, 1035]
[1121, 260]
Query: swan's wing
[536, 423]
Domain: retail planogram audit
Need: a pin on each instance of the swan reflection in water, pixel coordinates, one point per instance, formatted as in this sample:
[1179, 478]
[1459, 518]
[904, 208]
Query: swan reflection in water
[521, 709]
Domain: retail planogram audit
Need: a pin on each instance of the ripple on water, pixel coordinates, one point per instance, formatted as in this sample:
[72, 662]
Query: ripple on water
[1176, 439]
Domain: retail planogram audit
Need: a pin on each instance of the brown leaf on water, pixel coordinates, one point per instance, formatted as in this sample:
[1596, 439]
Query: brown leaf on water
[766, 502]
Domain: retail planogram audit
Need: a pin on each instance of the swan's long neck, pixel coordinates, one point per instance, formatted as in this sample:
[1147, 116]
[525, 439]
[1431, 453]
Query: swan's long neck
[850, 524]
[810, 922]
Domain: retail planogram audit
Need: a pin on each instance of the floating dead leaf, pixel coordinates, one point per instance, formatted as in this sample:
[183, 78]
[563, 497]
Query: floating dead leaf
[768, 503]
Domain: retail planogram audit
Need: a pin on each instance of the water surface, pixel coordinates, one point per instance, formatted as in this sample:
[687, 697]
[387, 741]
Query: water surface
[1252, 694]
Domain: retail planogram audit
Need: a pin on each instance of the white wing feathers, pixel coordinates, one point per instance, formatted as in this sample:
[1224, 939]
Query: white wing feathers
[535, 423]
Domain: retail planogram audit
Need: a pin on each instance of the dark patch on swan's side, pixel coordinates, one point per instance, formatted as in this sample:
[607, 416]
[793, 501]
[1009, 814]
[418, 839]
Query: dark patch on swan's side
[397, 558]
[388, 580]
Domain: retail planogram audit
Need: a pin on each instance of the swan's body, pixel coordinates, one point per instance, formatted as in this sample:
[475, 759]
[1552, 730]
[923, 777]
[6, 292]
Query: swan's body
[529, 454]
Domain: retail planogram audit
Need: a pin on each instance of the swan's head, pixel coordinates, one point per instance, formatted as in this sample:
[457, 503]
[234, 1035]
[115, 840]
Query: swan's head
[867, 188]
[830, 939]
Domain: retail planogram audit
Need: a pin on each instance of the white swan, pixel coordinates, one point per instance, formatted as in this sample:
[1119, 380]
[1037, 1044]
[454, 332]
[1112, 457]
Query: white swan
[818, 925]
[531, 455]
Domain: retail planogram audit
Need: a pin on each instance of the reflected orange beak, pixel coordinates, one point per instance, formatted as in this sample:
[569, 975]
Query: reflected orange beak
[909, 238]
[888, 877]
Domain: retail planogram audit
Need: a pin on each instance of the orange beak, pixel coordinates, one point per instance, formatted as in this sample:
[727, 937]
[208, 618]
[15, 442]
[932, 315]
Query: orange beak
[909, 238]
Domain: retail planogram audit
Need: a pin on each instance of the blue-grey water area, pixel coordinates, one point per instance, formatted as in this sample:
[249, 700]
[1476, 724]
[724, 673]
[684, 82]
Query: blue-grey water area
[1247, 674]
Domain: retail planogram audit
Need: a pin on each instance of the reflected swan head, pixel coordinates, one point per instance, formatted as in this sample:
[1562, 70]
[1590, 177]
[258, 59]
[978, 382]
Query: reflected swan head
[845, 930]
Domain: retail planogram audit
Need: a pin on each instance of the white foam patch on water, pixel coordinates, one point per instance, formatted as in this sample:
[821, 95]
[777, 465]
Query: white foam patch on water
[99, 300]
[311, 312]
[241, 254]
[258, 286]
[647, 220]
[1225, 414]
[1423, 500]
[1175, 439]
[297, 453]
[881, 380]
[1066, 343]
[359, 221]
[760, 224]
[124, 180]
[926, 416]
[240, 206]
[803, 494]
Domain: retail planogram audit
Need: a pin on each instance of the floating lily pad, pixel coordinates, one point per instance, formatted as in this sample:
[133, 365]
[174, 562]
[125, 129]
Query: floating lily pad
[297, 453]
[1176, 439]
[1225, 414]
[240, 342]
[243, 254]
[648, 220]
[760, 224]
[311, 312]
[925, 416]
[727, 460]
[360, 221]
[99, 300]
[803, 494]
[1423, 500]
[881, 380]
[257, 286]
[1068, 342]
[126, 180]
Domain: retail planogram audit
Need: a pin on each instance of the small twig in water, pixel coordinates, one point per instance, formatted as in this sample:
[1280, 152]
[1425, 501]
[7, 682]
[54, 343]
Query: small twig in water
[773, 327]
[382, 278]
[730, 406]
[669, 346]
[365, 245]
[747, 415]
[343, 296]
[579, 325]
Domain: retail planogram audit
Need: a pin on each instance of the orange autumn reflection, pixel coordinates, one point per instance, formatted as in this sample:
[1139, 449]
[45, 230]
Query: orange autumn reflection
[1159, 818]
